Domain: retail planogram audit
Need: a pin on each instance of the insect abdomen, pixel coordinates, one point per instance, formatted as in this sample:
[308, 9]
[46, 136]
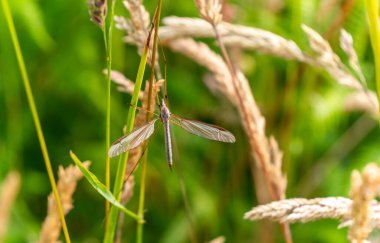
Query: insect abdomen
[168, 144]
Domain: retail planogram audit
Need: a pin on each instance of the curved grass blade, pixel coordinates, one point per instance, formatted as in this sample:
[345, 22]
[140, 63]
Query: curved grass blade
[203, 129]
[100, 187]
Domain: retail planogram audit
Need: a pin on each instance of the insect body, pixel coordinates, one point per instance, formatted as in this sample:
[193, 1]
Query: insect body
[140, 134]
[165, 118]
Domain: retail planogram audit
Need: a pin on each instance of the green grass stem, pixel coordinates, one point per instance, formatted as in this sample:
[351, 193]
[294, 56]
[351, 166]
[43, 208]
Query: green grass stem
[122, 165]
[140, 225]
[33, 108]
[108, 46]
[373, 19]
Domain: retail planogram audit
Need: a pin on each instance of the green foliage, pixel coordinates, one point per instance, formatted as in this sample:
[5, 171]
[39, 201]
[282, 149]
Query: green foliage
[100, 187]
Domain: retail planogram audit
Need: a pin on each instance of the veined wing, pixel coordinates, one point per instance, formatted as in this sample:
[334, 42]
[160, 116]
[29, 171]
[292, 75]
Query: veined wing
[132, 140]
[204, 130]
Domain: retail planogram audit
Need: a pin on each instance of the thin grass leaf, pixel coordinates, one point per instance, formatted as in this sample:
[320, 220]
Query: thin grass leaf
[33, 109]
[122, 165]
[374, 31]
[100, 187]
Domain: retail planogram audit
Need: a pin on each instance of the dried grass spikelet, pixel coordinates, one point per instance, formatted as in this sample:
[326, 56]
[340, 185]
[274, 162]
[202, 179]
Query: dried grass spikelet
[9, 190]
[347, 44]
[264, 150]
[364, 188]
[306, 210]
[98, 11]
[232, 35]
[66, 185]
[137, 27]
[301, 210]
[268, 42]
[361, 214]
[210, 10]
[327, 59]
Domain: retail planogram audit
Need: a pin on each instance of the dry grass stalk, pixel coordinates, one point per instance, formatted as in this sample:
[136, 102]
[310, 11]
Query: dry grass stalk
[255, 123]
[364, 188]
[326, 58]
[347, 45]
[210, 10]
[137, 27]
[264, 150]
[267, 42]
[67, 182]
[304, 210]
[9, 190]
[232, 35]
[361, 214]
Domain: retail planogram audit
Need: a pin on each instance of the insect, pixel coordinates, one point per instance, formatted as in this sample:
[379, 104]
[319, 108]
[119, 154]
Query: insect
[140, 134]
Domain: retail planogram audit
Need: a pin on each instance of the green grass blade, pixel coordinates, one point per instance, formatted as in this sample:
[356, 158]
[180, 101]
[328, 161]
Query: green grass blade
[373, 19]
[101, 188]
[33, 108]
[140, 228]
[112, 222]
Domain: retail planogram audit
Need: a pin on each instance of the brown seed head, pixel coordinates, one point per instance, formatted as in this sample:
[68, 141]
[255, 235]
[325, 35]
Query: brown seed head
[98, 11]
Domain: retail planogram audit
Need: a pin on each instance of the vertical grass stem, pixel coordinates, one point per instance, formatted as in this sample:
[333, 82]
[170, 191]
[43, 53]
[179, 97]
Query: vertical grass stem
[33, 109]
[374, 30]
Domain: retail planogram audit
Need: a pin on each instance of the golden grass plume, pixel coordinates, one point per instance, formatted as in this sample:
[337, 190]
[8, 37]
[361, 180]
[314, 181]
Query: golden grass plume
[9, 190]
[67, 182]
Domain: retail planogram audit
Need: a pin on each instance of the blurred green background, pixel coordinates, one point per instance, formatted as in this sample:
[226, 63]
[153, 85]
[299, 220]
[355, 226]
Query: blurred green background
[64, 54]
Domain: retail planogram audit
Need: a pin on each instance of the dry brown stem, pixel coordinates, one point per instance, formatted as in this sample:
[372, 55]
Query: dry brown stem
[9, 190]
[264, 149]
[67, 182]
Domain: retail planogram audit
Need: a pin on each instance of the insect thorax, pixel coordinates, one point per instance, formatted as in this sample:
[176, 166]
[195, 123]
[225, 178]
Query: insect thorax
[165, 113]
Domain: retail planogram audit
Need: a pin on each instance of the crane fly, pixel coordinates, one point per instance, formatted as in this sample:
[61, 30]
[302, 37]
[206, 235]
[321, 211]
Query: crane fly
[142, 133]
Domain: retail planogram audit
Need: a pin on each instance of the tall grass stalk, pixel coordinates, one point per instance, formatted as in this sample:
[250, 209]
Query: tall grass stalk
[32, 105]
[373, 19]
[122, 165]
[108, 46]
[284, 227]
[140, 225]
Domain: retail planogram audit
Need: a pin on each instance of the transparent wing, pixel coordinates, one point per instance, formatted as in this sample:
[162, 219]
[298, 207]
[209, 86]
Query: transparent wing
[204, 130]
[132, 140]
